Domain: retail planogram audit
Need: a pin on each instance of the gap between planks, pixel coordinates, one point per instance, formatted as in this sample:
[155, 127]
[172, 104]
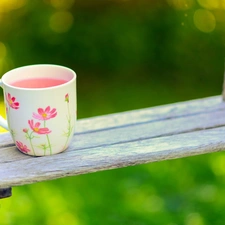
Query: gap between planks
[137, 137]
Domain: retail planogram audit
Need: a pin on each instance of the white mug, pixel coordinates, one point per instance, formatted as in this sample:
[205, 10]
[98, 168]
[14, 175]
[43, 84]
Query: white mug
[41, 107]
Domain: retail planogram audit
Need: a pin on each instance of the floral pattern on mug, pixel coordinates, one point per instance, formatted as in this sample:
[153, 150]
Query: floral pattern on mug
[69, 126]
[45, 114]
[22, 147]
[12, 101]
[67, 98]
[40, 129]
[29, 136]
[37, 127]
[11, 104]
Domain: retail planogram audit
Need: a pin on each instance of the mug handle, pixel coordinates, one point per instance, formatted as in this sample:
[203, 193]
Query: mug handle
[3, 122]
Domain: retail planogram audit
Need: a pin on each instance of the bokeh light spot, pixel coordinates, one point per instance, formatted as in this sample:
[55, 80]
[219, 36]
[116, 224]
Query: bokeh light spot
[194, 219]
[62, 4]
[204, 20]
[217, 165]
[209, 4]
[63, 219]
[9, 5]
[181, 4]
[222, 4]
[207, 193]
[61, 22]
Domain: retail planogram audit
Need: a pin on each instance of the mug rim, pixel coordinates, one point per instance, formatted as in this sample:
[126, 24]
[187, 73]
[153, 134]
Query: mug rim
[74, 76]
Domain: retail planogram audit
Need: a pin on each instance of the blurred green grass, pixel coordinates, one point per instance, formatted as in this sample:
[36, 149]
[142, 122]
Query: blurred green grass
[127, 55]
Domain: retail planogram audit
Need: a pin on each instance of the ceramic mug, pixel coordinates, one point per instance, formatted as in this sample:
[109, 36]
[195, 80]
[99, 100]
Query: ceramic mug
[41, 108]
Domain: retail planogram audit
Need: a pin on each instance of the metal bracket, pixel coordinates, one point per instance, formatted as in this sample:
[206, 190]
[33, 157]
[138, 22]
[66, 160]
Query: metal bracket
[5, 192]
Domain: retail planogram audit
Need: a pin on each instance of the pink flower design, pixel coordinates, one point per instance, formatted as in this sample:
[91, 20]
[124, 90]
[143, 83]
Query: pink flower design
[36, 128]
[22, 147]
[12, 101]
[67, 98]
[25, 130]
[45, 114]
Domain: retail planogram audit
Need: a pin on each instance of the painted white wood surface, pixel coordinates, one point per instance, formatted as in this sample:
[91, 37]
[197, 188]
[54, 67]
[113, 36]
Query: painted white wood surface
[123, 139]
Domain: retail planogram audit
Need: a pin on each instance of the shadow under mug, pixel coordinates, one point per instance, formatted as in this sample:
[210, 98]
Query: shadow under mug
[41, 108]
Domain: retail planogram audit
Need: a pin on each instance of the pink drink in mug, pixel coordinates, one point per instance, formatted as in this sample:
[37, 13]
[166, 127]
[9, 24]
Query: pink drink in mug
[38, 82]
[41, 108]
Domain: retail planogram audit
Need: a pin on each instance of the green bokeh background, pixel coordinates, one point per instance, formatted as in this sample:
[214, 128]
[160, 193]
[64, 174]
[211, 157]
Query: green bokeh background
[128, 55]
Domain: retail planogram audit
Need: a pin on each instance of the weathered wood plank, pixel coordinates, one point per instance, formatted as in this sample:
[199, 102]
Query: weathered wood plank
[136, 132]
[123, 139]
[164, 112]
[154, 114]
[71, 163]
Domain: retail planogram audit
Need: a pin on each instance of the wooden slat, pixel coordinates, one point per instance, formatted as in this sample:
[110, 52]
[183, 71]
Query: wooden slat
[164, 112]
[123, 139]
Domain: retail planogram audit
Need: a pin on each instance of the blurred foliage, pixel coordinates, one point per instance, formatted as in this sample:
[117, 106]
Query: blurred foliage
[116, 44]
[128, 54]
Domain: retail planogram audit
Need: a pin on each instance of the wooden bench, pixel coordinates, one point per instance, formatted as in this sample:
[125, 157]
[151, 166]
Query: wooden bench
[122, 139]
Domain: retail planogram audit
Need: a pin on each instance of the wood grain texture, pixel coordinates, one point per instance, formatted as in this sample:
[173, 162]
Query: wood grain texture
[123, 139]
